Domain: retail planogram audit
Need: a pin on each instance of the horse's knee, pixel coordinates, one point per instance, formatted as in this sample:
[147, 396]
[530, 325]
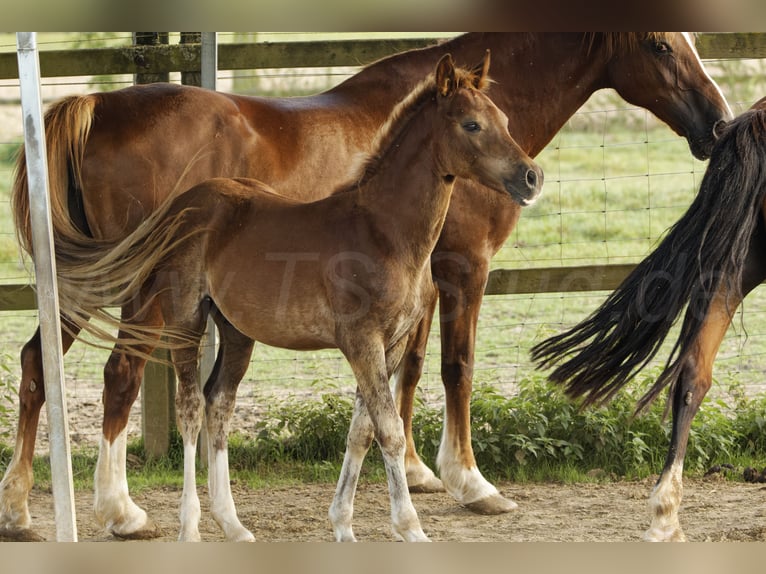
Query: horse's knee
[391, 440]
[457, 374]
[414, 361]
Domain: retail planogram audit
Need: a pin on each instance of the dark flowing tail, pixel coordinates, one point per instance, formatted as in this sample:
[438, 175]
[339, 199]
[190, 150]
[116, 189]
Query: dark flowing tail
[702, 253]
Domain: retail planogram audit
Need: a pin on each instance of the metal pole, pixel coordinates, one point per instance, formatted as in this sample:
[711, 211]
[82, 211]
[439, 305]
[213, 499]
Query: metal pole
[209, 60]
[47, 289]
[208, 77]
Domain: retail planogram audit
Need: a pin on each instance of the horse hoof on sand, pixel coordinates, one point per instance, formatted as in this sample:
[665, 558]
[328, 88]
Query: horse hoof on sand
[432, 484]
[494, 504]
[150, 531]
[19, 535]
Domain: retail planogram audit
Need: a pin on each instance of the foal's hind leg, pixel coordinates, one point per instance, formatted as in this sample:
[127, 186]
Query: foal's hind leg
[420, 478]
[220, 393]
[189, 414]
[15, 520]
[114, 508]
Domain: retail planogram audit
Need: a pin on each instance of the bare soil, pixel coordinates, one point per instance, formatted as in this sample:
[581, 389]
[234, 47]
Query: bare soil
[714, 509]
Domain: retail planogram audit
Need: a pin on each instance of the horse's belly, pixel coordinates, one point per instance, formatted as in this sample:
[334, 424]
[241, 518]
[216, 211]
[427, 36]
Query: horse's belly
[281, 324]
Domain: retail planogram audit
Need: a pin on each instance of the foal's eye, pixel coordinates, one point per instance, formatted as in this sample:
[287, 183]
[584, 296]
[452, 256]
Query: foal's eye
[661, 47]
[472, 127]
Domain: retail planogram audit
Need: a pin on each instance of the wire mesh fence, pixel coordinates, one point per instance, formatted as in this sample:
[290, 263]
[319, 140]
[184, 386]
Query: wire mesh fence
[615, 179]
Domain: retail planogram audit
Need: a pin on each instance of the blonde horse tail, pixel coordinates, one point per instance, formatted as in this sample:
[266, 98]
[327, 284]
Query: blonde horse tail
[67, 126]
[104, 275]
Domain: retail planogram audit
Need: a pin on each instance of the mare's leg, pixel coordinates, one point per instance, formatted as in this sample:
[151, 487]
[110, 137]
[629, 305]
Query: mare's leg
[694, 382]
[15, 520]
[220, 393]
[114, 508]
[372, 368]
[420, 478]
[692, 386]
[461, 290]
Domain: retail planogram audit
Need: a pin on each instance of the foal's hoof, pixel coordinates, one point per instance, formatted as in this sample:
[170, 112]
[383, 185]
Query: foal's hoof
[664, 534]
[19, 535]
[430, 484]
[493, 504]
[149, 531]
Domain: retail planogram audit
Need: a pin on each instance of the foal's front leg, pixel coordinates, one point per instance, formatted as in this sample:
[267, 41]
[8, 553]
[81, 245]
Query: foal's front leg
[369, 365]
[358, 441]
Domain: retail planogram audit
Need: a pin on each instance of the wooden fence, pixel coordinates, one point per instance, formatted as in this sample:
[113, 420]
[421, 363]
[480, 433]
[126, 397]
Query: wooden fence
[161, 59]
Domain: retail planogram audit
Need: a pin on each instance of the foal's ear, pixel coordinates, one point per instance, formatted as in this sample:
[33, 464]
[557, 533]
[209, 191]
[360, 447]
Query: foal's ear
[446, 82]
[480, 73]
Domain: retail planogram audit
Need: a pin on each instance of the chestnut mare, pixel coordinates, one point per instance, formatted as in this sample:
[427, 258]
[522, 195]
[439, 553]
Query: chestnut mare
[709, 261]
[114, 156]
[361, 280]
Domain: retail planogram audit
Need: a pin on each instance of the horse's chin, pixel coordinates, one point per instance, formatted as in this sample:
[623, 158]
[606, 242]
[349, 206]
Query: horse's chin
[701, 144]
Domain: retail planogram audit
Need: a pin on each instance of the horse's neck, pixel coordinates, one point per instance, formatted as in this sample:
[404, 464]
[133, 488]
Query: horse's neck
[540, 79]
[408, 195]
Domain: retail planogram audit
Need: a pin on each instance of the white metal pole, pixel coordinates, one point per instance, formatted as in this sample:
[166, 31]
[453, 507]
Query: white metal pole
[208, 79]
[209, 60]
[47, 289]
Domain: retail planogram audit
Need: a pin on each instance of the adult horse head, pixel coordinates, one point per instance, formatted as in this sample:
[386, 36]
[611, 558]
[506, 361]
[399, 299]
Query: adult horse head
[673, 84]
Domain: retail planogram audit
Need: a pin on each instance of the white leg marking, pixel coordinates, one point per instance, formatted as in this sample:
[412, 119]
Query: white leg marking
[221, 501]
[358, 441]
[14, 492]
[664, 503]
[114, 508]
[404, 518]
[466, 484]
[190, 506]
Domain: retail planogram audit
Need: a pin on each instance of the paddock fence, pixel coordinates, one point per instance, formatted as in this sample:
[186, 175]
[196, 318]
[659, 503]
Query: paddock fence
[615, 180]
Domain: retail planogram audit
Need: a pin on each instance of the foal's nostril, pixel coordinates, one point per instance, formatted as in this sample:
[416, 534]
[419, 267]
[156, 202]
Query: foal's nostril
[531, 179]
[718, 128]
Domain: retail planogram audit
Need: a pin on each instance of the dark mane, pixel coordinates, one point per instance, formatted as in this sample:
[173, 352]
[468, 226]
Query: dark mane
[400, 117]
[619, 42]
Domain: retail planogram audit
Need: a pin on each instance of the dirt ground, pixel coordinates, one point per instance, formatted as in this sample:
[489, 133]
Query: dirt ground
[714, 509]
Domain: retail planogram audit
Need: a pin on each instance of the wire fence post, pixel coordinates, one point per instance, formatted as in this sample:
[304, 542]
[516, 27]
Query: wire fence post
[47, 289]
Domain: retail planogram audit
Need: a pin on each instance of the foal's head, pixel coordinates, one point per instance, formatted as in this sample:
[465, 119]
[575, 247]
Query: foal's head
[472, 140]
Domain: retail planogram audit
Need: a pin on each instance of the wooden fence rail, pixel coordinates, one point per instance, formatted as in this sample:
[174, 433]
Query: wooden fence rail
[158, 59]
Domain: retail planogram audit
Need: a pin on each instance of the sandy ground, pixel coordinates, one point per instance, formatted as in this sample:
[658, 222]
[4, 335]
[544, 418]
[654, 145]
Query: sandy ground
[714, 509]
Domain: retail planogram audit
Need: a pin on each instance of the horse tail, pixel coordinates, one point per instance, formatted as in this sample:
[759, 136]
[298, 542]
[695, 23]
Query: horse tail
[703, 254]
[67, 126]
[98, 275]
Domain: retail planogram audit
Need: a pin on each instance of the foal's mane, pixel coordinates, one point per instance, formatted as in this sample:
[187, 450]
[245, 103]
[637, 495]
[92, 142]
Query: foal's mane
[403, 113]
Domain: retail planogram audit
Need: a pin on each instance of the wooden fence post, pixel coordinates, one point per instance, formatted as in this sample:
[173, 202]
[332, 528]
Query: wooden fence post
[158, 390]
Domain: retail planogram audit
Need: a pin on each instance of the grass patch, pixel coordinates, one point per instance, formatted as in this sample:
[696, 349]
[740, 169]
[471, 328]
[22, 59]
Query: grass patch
[537, 435]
